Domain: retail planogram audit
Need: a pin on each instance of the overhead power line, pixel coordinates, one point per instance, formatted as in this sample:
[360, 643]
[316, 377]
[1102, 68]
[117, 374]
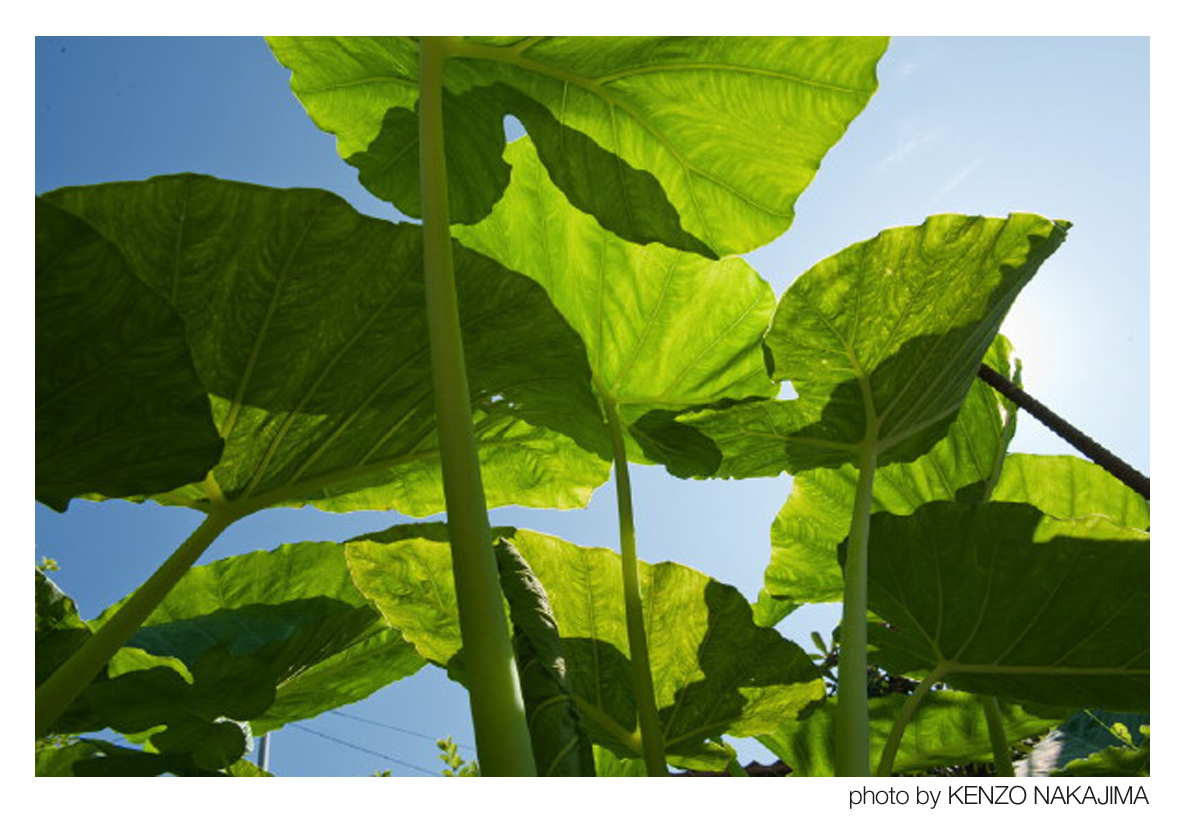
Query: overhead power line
[363, 749]
[395, 728]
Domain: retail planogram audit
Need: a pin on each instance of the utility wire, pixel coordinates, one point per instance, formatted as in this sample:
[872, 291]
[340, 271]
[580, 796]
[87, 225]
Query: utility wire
[363, 749]
[395, 728]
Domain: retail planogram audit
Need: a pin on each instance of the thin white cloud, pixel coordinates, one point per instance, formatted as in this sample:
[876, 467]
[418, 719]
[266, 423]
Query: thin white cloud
[908, 147]
[956, 180]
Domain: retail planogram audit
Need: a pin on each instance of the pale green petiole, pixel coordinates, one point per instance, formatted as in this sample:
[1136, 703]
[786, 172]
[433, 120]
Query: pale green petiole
[1003, 765]
[498, 713]
[887, 759]
[852, 754]
[652, 739]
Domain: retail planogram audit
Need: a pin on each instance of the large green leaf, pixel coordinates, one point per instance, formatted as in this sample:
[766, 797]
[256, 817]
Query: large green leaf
[59, 628]
[881, 342]
[609, 765]
[999, 599]
[306, 323]
[60, 631]
[1093, 743]
[816, 517]
[1070, 487]
[948, 729]
[93, 757]
[664, 329]
[120, 410]
[58, 761]
[561, 746]
[714, 671]
[1114, 761]
[286, 630]
[701, 143]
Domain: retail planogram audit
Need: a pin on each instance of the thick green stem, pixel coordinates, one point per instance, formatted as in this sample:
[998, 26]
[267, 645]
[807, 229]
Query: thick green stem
[60, 689]
[887, 760]
[498, 714]
[1003, 765]
[852, 753]
[652, 737]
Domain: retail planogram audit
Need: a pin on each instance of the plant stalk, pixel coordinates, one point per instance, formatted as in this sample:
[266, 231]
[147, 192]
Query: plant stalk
[498, 713]
[60, 689]
[652, 737]
[1003, 765]
[852, 752]
[887, 759]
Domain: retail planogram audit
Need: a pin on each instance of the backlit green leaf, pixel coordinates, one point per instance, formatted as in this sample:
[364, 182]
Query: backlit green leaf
[999, 599]
[609, 765]
[714, 671]
[949, 729]
[816, 517]
[1069, 487]
[701, 143]
[286, 631]
[60, 630]
[93, 757]
[120, 410]
[306, 323]
[664, 329]
[882, 343]
[58, 761]
[1093, 743]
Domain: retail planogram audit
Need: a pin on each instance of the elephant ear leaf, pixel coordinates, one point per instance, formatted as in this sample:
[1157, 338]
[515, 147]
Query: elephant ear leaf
[816, 517]
[306, 324]
[1093, 743]
[948, 729]
[60, 630]
[274, 637]
[698, 143]
[1001, 600]
[561, 746]
[881, 342]
[714, 671]
[120, 408]
[664, 330]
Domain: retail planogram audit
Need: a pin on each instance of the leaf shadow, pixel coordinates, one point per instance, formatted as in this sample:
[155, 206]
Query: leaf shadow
[627, 201]
[915, 392]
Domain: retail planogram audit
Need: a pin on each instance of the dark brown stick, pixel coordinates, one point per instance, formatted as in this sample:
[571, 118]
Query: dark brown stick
[1112, 464]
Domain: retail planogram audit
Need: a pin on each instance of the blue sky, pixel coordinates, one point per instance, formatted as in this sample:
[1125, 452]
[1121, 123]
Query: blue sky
[1058, 126]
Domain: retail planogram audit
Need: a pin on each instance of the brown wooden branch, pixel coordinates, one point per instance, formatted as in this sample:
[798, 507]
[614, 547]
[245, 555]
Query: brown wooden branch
[1117, 468]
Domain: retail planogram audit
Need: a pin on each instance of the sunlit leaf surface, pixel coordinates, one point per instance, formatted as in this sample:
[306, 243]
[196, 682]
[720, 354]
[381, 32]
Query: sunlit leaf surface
[285, 629]
[882, 343]
[664, 330]
[700, 143]
[949, 729]
[816, 517]
[305, 321]
[714, 671]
